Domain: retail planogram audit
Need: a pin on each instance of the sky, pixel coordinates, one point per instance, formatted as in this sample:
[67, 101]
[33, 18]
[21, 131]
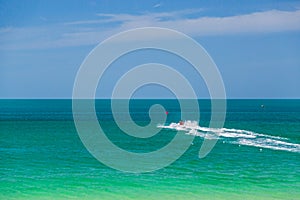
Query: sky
[255, 44]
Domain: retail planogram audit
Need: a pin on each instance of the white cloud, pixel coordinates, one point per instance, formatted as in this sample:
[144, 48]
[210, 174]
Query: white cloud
[268, 21]
[91, 32]
[124, 18]
[157, 5]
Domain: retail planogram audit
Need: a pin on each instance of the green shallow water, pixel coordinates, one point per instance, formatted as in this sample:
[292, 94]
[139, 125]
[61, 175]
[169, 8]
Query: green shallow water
[42, 156]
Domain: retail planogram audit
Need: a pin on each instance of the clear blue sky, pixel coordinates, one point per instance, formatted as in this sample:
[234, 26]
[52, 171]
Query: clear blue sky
[255, 44]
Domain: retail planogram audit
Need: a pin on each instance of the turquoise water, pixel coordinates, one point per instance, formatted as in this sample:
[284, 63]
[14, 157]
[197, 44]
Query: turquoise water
[42, 157]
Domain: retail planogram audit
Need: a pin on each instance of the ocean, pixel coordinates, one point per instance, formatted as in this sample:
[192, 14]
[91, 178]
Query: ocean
[257, 155]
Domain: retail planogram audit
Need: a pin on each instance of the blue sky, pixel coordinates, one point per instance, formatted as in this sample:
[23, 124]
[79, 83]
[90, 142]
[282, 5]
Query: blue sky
[255, 44]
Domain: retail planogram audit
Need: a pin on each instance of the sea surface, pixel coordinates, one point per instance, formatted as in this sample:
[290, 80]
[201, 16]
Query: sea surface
[257, 155]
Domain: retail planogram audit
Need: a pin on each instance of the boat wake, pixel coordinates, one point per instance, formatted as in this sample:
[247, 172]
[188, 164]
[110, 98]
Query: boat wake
[235, 136]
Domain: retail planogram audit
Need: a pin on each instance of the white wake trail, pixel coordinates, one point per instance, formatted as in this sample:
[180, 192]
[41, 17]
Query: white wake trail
[235, 136]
